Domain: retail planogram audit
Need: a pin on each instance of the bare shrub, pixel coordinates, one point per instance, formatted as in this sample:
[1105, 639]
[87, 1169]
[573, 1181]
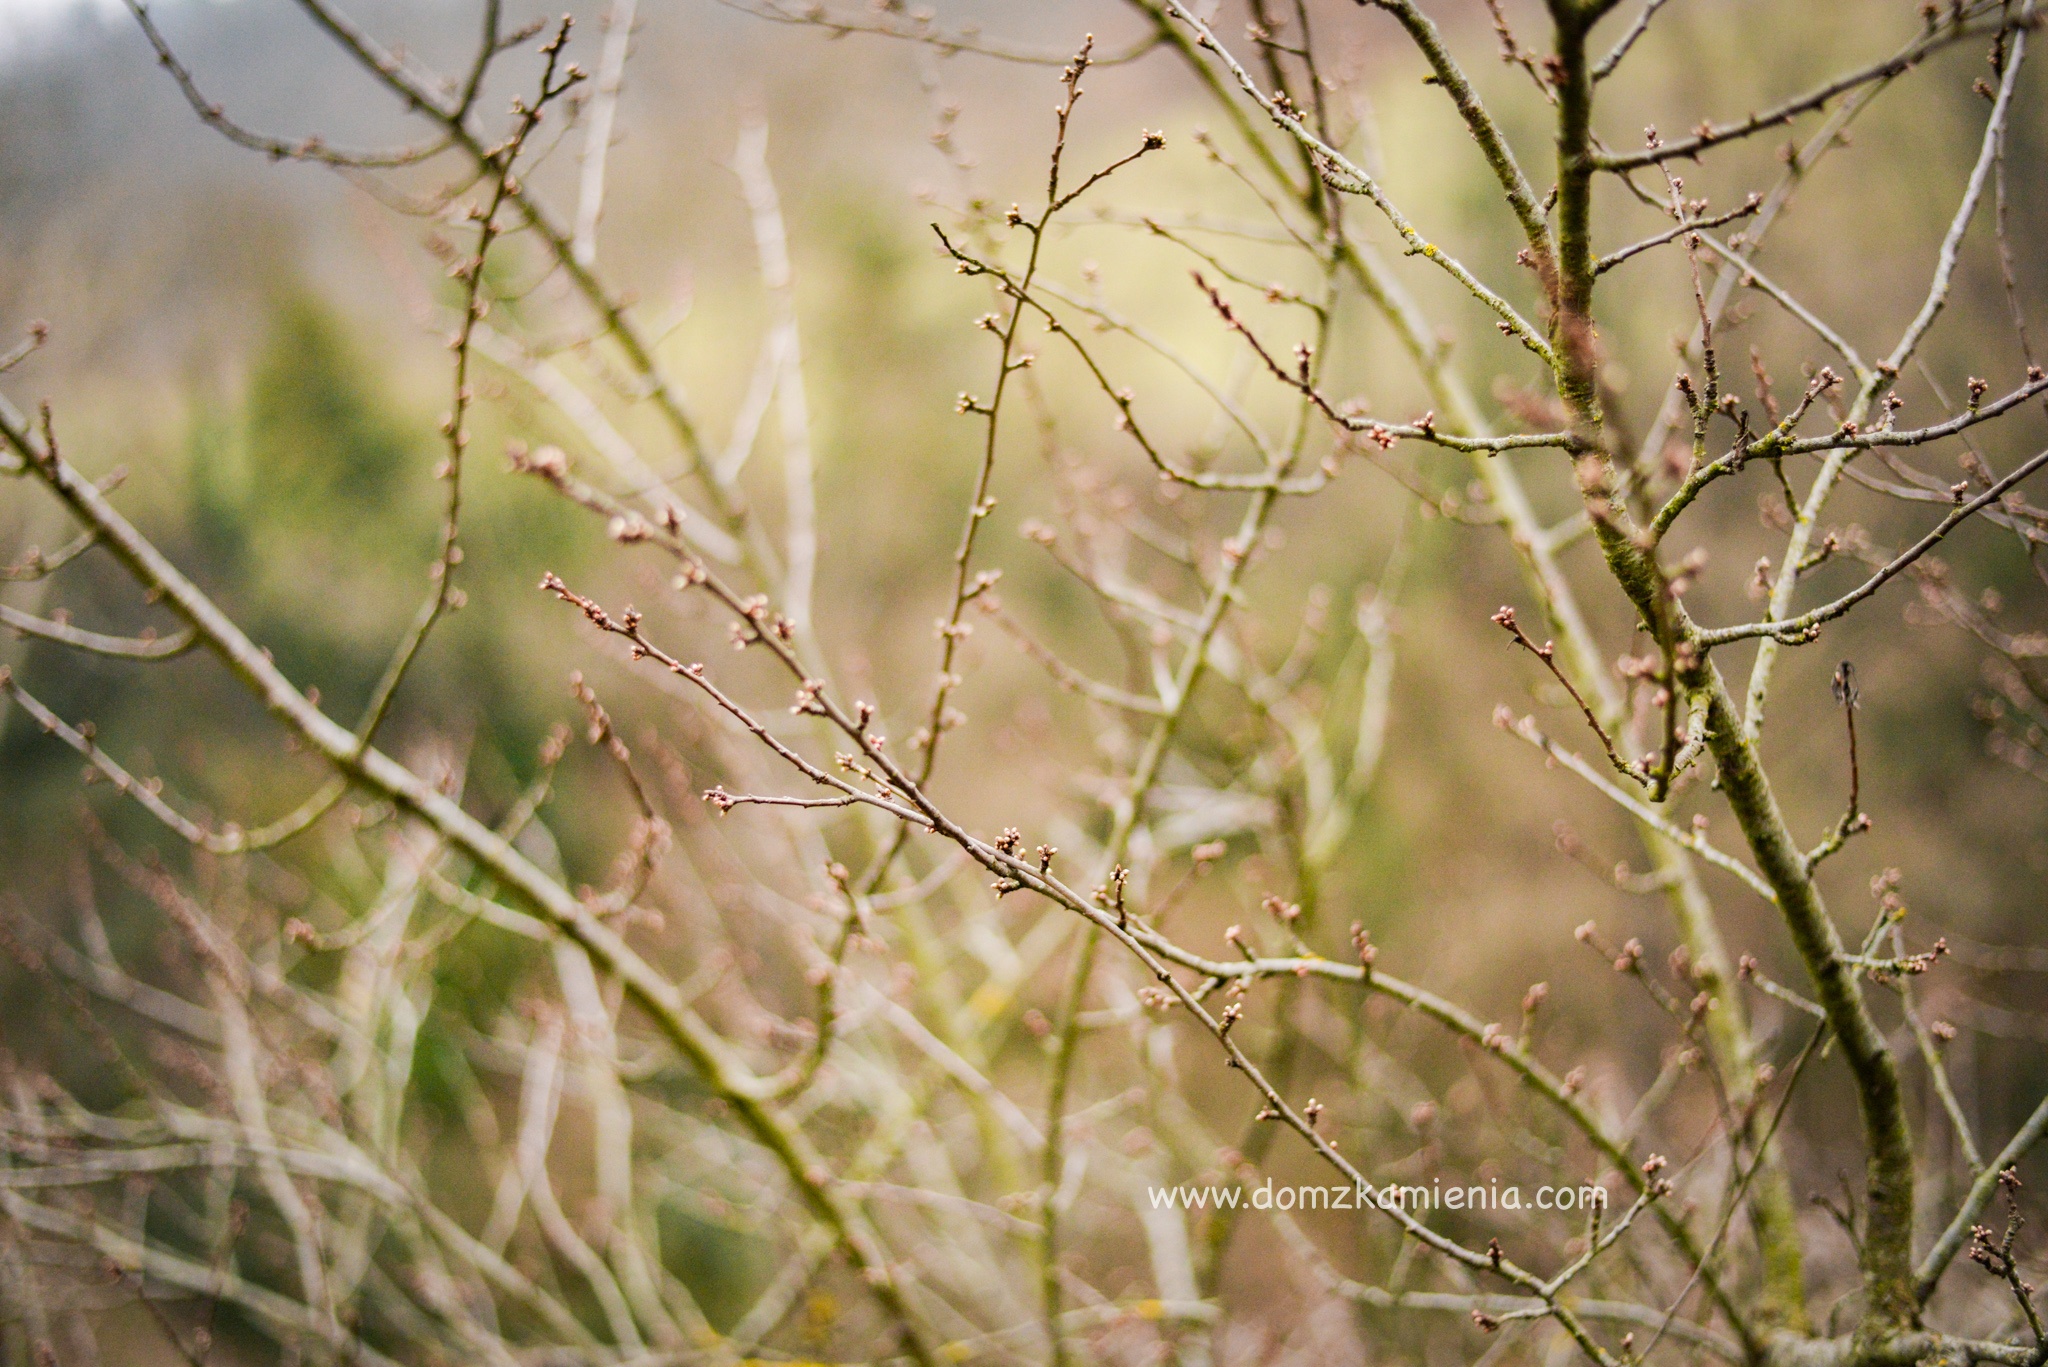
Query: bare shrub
[859, 1043]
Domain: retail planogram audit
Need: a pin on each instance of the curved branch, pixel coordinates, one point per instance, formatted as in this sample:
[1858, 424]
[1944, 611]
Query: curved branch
[1714, 135]
[146, 647]
[1803, 628]
[1952, 1239]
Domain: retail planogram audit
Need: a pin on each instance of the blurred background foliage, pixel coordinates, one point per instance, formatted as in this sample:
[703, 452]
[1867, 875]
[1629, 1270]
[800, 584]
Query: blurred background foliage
[244, 340]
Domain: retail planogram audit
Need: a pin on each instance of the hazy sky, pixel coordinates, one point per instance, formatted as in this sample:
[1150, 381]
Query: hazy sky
[14, 12]
[20, 19]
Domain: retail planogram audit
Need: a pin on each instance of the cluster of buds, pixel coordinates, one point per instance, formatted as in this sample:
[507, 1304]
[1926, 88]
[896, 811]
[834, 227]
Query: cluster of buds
[1996, 1257]
[1505, 620]
[1884, 886]
[852, 764]
[809, 699]
[626, 624]
[1636, 668]
[1008, 843]
[1110, 895]
[1688, 572]
[1911, 965]
[980, 589]
[551, 463]
[758, 622]
[1761, 583]
[551, 750]
[1361, 941]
